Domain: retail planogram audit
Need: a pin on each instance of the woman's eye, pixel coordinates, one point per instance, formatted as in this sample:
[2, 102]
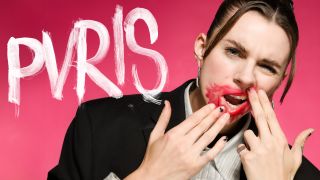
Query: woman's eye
[269, 68]
[233, 51]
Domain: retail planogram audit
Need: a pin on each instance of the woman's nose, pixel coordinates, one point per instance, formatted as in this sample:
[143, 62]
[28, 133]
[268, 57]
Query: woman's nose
[245, 77]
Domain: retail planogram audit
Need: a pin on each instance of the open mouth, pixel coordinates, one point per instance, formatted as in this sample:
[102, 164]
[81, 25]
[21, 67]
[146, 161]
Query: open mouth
[234, 100]
[234, 104]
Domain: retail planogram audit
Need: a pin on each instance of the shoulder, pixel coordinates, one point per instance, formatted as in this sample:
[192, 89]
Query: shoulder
[109, 111]
[110, 103]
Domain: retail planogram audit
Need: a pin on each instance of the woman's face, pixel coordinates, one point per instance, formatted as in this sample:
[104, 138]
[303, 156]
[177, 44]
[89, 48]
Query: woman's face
[254, 53]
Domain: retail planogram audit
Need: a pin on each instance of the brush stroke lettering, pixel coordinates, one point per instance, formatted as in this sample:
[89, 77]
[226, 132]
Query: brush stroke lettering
[44, 55]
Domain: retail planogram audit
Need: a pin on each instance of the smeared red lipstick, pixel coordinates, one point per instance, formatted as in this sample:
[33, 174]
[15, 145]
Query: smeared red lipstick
[216, 93]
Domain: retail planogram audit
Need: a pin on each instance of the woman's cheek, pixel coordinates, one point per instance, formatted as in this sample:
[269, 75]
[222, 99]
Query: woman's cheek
[268, 84]
[219, 66]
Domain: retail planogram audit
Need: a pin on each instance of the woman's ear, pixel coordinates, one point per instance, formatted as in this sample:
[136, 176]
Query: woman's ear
[199, 48]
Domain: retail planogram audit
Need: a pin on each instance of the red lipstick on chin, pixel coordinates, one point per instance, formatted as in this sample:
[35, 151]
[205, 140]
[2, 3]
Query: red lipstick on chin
[216, 94]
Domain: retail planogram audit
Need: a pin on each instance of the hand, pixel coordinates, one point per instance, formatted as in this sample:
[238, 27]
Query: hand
[176, 154]
[268, 156]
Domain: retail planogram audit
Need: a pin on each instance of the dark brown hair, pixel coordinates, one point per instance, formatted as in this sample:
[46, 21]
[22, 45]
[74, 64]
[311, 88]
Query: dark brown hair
[278, 11]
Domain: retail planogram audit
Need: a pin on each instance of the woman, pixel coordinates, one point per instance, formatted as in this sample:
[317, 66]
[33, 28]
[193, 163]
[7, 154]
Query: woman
[242, 61]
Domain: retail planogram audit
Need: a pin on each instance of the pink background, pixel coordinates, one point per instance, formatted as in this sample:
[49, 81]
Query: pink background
[30, 144]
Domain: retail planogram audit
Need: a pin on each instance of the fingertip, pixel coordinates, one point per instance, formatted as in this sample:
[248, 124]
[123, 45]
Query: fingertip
[166, 110]
[240, 145]
[167, 104]
[163, 120]
[222, 109]
[301, 139]
[262, 92]
[241, 148]
[218, 147]
[307, 133]
[311, 131]
[221, 143]
[252, 90]
[211, 106]
[225, 139]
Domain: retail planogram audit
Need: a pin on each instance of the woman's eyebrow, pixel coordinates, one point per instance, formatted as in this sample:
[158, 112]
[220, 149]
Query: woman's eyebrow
[238, 45]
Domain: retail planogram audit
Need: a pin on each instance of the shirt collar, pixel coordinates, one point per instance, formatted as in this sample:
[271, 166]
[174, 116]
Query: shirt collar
[187, 103]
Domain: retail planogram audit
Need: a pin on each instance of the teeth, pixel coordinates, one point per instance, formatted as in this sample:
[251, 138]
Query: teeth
[239, 97]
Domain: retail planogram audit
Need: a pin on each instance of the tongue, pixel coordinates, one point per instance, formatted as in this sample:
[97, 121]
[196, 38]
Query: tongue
[233, 100]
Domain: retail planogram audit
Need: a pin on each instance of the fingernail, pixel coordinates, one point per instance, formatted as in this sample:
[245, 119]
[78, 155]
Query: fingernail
[225, 139]
[241, 148]
[211, 106]
[252, 89]
[311, 133]
[221, 108]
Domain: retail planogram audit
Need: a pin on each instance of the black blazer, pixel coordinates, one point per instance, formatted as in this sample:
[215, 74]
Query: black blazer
[111, 135]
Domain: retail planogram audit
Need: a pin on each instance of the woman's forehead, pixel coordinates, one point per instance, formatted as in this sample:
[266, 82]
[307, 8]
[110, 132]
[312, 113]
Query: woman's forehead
[261, 37]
